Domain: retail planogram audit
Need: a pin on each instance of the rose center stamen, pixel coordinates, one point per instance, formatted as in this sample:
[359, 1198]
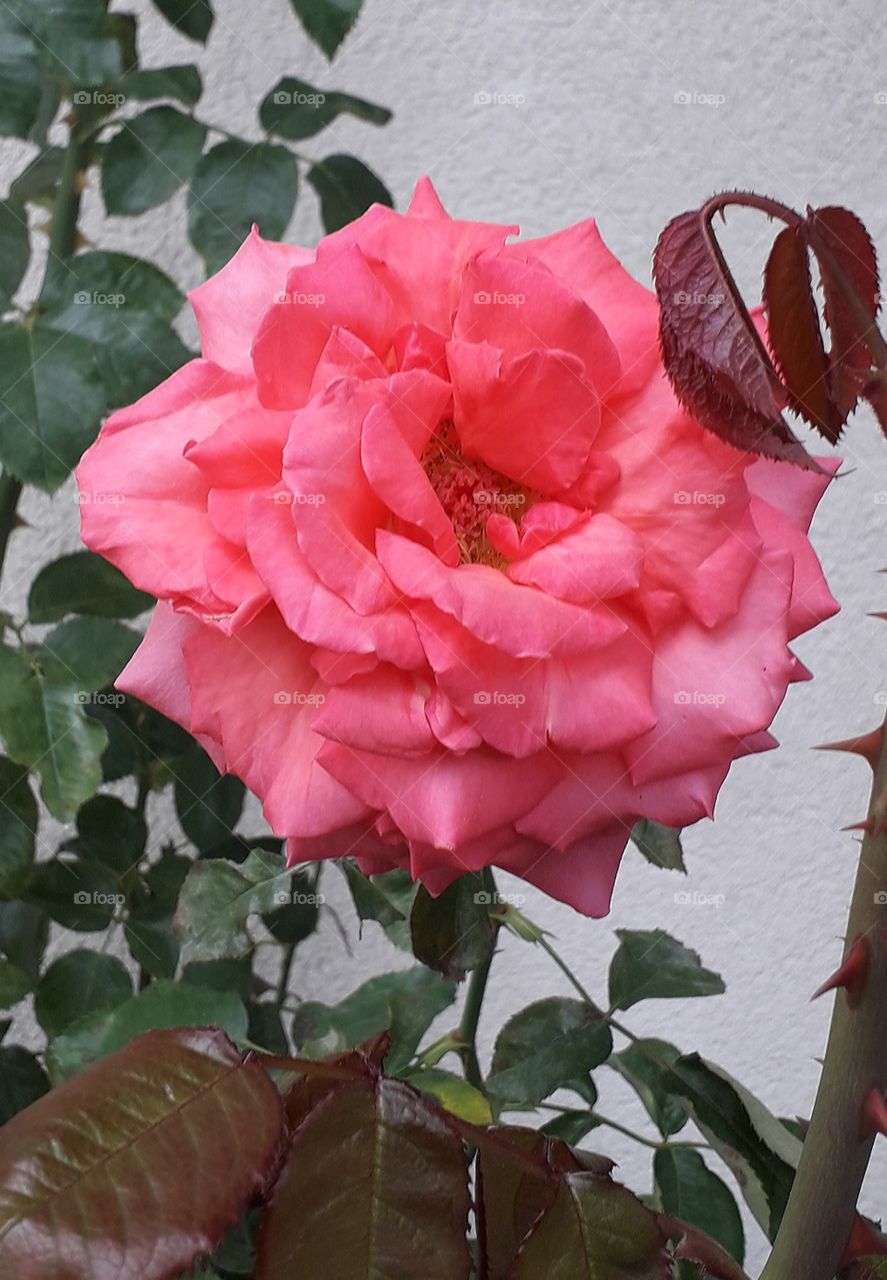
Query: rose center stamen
[470, 492]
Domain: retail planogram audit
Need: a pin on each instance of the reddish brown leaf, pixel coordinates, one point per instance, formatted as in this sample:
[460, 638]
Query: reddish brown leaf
[695, 1246]
[136, 1166]
[555, 1213]
[713, 355]
[849, 358]
[875, 391]
[794, 333]
[375, 1184]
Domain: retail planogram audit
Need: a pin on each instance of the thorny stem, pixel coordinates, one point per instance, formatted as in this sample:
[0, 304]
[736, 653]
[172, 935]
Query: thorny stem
[477, 985]
[819, 1215]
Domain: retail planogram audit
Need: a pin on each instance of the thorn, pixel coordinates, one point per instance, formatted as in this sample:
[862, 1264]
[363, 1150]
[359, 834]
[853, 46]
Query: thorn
[867, 826]
[882, 616]
[867, 745]
[874, 1114]
[864, 1242]
[851, 974]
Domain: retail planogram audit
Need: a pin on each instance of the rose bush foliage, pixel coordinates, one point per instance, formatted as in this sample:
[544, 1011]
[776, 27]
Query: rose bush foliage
[446, 574]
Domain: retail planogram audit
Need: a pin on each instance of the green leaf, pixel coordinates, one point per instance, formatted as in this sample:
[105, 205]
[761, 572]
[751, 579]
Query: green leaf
[237, 184]
[453, 933]
[181, 82]
[346, 188]
[396, 1205]
[645, 1065]
[124, 308]
[297, 912]
[295, 109]
[88, 652]
[110, 833]
[208, 804]
[79, 983]
[266, 1027]
[22, 1081]
[139, 1131]
[551, 1044]
[327, 22]
[571, 1126]
[43, 724]
[83, 583]
[14, 249]
[413, 996]
[386, 898]
[149, 159]
[18, 828]
[51, 402]
[653, 965]
[79, 42]
[688, 1190]
[37, 183]
[148, 926]
[222, 975]
[161, 1006]
[24, 933]
[659, 845]
[14, 984]
[20, 76]
[194, 18]
[78, 895]
[452, 1093]
[753, 1143]
[219, 896]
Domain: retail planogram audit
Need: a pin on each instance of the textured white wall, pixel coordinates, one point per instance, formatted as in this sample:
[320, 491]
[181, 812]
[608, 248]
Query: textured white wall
[594, 127]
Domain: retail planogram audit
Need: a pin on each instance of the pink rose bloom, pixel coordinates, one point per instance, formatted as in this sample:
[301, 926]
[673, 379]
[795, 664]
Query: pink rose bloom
[447, 576]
